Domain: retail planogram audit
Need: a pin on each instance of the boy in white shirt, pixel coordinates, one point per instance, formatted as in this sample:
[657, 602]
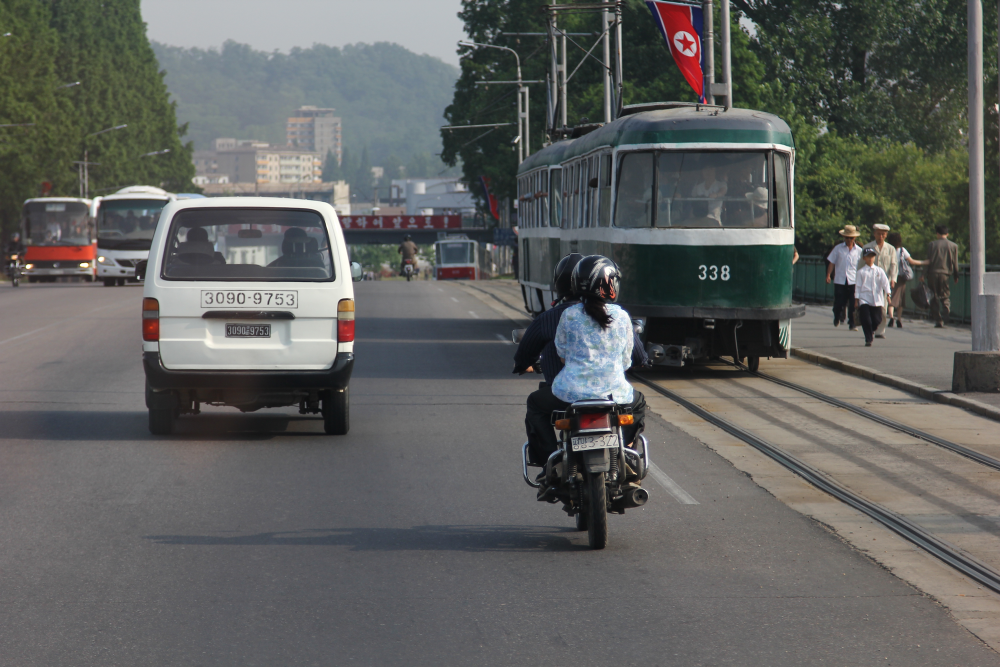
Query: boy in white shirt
[871, 292]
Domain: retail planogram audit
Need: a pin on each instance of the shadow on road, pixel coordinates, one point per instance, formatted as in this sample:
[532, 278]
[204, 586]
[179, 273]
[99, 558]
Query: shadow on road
[418, 538]
[71, 425]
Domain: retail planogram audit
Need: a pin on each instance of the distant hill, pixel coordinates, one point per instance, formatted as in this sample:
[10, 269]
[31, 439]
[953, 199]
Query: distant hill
[390, 99]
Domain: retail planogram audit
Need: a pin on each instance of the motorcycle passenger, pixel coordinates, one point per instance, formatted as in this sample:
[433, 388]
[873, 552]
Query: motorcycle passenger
[595, 340]
[409, 251]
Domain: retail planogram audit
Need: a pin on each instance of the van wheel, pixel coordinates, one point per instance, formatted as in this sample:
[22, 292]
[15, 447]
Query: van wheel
[161, 421]
[337, 411]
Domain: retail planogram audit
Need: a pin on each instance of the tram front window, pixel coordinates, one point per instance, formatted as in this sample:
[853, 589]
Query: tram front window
[57, 223]
[454, 253]
[702, 189]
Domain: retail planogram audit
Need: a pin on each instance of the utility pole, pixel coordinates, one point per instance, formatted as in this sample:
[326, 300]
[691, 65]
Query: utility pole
[606, 29]
[708, 50]
[727, 60]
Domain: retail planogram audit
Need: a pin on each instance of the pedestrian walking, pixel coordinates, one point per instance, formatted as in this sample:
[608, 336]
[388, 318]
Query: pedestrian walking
[906, 262]
[871, 292]
[842, 269]
[942, 261]
[887, 260]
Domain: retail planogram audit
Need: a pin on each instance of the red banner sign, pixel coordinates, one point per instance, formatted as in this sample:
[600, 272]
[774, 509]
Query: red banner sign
[395, 222]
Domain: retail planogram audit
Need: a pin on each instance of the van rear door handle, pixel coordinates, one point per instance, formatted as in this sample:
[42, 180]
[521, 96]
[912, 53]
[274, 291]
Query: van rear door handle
[247, 315]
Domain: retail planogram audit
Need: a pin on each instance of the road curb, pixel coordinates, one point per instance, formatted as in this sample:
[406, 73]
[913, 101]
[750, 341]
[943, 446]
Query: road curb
[922, 390]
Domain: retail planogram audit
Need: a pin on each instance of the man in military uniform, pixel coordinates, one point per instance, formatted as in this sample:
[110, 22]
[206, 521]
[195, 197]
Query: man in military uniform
[942, 262]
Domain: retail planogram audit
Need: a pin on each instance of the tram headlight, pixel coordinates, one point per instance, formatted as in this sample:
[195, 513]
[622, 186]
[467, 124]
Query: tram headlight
[84, 265]
[29, 266]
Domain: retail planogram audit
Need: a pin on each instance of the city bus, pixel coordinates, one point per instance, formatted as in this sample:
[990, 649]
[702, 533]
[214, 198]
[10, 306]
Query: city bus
[58, 235]
[126, 222]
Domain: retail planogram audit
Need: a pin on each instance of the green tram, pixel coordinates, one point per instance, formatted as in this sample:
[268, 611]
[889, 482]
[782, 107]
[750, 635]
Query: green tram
[695, 203]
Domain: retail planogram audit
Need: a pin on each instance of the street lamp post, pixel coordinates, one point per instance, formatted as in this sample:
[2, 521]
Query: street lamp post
[85, 164]
[523, 142]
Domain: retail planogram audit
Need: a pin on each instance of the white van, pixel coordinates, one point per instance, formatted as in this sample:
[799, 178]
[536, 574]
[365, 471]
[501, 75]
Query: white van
[248, 303]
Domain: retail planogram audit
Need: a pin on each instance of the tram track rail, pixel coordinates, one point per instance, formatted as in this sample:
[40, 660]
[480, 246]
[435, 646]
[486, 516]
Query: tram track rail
[951, 555]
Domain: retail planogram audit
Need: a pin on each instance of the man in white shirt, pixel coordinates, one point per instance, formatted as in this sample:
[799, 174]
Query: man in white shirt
[871, 292]
[842, 268]
[711, 190]
[888, 259]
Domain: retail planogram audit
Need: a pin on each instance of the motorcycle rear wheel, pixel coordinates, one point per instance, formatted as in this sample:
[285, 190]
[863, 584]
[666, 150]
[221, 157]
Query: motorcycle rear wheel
[597, 511]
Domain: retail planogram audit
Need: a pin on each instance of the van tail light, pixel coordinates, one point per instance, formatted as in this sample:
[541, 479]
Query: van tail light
[150, 319]
[594, 421]
[345, 321]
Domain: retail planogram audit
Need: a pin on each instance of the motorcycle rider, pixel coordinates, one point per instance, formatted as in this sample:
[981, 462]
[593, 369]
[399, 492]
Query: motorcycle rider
[14, 245]
[408, 249]
[540, 338]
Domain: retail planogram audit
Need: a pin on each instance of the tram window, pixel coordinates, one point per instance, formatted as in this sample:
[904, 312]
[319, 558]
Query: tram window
[781, 190]
[543, 190]
[555, 195]
[592, 192]
[570, 197]
[605, 191]
[712, 189]
[584, 219]
[634, 203]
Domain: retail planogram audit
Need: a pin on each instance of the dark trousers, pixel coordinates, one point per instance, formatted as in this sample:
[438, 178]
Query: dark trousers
[843, 297]
[871, 317]
[538, 421]
[941, 301]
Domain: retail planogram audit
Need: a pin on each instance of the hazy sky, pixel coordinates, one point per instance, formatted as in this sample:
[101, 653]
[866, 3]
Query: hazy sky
[427, 26]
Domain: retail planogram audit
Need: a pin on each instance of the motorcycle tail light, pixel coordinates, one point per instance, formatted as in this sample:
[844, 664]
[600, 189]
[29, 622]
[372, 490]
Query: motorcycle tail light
[562, 424]
[150, 319]
[594, 421]
[625, 420]
[345, 321]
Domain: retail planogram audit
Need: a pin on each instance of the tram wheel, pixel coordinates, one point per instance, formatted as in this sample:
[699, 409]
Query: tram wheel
[752, 363]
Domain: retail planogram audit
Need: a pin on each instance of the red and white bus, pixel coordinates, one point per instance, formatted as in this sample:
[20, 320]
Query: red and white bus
[456, 259]
[58, 235]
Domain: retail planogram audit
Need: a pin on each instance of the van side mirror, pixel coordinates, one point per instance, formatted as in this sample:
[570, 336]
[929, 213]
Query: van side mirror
[356, 274]
[516, 335]
[140, 269]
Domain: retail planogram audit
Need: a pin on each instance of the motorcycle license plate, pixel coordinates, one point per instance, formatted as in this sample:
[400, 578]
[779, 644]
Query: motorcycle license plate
[248, 331]
[584, 442]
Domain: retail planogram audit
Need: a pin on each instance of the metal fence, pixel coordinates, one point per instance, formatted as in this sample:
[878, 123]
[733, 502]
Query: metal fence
[809, 286]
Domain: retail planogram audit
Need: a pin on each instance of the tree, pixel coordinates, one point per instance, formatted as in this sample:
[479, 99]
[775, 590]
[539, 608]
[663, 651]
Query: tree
[331, 169]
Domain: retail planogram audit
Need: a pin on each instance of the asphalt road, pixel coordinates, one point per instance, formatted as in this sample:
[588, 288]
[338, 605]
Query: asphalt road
[256, 540]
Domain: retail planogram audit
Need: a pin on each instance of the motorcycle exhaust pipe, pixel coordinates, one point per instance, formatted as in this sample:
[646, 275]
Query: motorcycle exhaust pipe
[635, 497]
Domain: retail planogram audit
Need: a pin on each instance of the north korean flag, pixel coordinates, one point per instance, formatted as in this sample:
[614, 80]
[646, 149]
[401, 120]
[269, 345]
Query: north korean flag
[681, 26]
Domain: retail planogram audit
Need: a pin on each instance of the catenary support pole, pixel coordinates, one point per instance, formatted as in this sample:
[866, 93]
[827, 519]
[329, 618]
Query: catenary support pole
[618, 85]
[727, 61]
[605, 27]
[554, 74]
[977, 202]
[708, 52]
[527, 123]
[562, 83]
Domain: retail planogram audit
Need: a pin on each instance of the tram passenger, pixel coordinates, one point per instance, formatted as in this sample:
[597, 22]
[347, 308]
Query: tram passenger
[708, 194]
[596, 341]
[758, 204]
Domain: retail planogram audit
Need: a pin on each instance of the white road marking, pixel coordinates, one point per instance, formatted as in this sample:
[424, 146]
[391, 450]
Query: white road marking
[504, 339]
[440, 290]
[454, 299]
[672, 487]
[473, 314]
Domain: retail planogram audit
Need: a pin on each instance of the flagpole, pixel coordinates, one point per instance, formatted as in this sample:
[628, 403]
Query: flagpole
[708, 52]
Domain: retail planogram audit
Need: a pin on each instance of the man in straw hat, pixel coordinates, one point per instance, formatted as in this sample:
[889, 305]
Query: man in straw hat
[886, 259]
[842, 269]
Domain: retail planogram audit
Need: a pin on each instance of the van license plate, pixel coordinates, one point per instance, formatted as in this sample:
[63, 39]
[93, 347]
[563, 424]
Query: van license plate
[248, 331]
[583, 442]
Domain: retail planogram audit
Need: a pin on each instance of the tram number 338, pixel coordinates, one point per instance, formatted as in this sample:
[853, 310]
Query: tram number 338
[713, 272]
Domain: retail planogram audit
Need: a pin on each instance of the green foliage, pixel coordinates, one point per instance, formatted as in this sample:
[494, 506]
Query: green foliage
[104, 46]
[649, 75]
[389, 98]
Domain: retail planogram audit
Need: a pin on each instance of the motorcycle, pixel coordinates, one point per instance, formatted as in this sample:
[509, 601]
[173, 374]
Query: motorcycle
[594, 471]
[408, 266]
[14, 269]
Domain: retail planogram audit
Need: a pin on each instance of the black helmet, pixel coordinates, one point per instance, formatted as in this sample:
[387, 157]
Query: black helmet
[407, 237]
[562, 275]
[597, 277]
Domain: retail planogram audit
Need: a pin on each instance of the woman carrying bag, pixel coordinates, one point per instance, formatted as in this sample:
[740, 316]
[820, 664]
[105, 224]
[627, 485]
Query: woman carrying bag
[898, 300]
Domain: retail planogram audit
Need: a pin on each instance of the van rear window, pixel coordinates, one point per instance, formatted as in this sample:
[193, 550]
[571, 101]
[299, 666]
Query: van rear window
[248, 245]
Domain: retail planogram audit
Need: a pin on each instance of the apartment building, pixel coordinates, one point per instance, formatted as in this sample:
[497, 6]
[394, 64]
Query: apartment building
[252, 161]
[315, 129]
